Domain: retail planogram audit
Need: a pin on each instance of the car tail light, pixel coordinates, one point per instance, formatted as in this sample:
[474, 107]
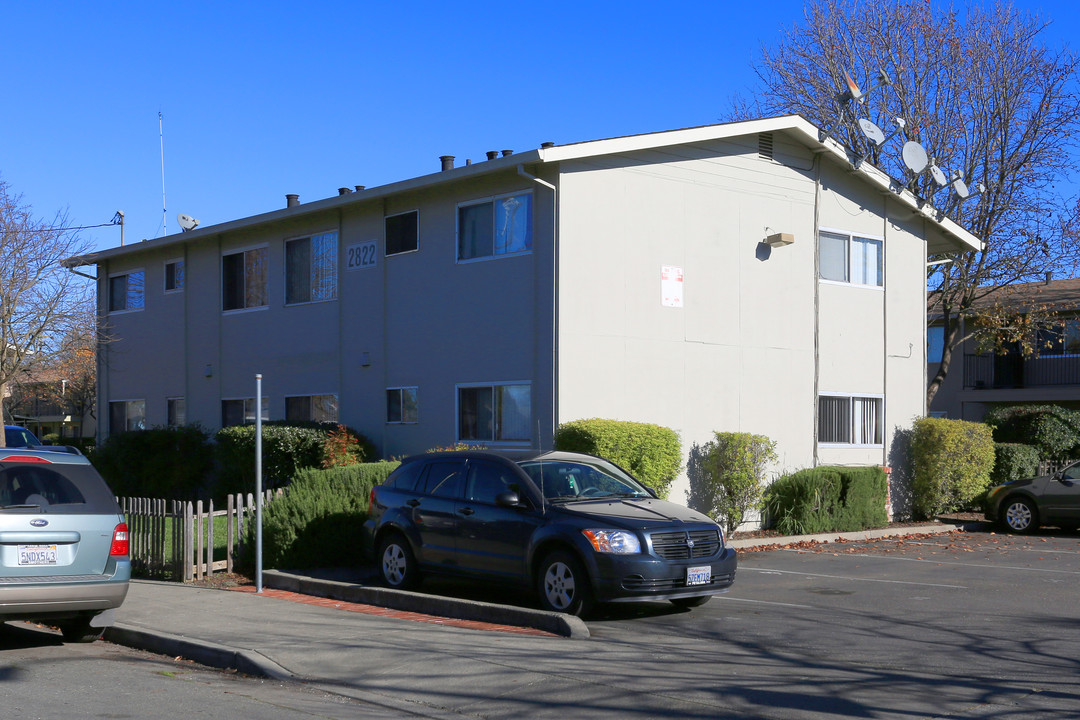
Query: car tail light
[371, 501]
[26, 458]
[120, 544]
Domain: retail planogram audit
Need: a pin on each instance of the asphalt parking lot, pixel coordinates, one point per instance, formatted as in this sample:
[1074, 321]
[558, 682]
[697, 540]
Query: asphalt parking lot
[965, 625]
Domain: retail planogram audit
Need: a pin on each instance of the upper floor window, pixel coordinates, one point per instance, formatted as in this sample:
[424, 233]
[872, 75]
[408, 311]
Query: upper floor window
[850, 259]
[494, 413]
[311, 408]
[311, 268]
[243, 279]
[935, 343]
[403, 233]
[174, 276]
[500, 226]
[1060, 338]
[127, 291]
[851, 420]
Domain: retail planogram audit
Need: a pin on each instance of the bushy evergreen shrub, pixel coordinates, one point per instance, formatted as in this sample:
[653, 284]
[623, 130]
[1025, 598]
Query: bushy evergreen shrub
[173, 463]
[1053, 430]
[952, 461]
[651, 453]
[319, 519]
[1013, 461]
[828, 499]
[729, 475]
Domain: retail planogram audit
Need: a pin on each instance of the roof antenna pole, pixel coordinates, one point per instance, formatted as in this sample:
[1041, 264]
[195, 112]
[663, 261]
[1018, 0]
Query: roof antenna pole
[161, 135]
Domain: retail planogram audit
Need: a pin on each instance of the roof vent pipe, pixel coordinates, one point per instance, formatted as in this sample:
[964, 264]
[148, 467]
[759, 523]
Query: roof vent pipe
[1049, 276]
[492, 154]
[547, 145]
[344, 191]
[359, 188]
[292, 200]
[507, 153]
[447, 162]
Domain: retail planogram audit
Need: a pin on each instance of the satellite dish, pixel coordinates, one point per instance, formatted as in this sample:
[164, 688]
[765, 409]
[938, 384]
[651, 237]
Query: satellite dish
[915, 157]
[853, 89]
[938, 175]
[872, 132]
[187, 222]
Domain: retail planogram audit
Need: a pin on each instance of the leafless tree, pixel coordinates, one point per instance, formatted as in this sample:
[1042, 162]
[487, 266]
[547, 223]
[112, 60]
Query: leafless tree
[986, 98]
[40, 300]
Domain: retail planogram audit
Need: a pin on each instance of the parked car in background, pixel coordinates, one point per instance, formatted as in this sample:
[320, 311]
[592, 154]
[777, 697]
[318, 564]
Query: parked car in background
[1024, 505]
[63, 543]
[577, 529]
[15, 436]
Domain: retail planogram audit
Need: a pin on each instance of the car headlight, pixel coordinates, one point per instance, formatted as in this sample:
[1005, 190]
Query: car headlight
[619, 542]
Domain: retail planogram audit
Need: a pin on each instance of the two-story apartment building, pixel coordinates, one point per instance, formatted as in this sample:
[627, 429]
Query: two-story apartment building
[737, 277]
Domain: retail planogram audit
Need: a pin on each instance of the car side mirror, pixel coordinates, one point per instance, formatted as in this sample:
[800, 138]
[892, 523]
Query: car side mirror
[509, 499]
[652, 492]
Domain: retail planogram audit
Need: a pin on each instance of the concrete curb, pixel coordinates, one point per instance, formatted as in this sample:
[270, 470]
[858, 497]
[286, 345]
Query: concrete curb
[562, 624]
[939, 528]
[204, 652]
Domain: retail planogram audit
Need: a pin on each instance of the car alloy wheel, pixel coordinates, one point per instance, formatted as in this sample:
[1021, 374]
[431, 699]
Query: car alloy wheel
[396, 563]
[563, 584]
[1020, 516]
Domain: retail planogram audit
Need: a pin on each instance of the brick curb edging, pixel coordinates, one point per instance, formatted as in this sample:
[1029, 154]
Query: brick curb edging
[928, 529]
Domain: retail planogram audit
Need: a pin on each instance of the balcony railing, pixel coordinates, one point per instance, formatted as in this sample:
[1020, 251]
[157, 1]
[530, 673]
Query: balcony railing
[1013, 371]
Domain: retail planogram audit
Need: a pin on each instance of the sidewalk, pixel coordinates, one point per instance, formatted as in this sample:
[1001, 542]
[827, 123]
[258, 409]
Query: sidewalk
[415, 653]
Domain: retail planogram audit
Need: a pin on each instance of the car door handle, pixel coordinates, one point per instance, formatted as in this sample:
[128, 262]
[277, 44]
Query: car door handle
[466, 511]
[412, 503]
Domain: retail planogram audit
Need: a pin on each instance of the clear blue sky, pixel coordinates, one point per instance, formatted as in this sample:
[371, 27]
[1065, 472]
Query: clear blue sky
[260, 99]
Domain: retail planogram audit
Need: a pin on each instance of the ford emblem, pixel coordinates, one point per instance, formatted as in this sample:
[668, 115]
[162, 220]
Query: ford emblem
[39, 522]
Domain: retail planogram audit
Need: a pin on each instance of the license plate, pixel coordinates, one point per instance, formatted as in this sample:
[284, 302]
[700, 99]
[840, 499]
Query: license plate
[699, 575]
[37, 555]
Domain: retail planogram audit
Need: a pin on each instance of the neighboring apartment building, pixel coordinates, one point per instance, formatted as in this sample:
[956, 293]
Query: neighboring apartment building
[40, 401]
[978, 381]
[736, 277]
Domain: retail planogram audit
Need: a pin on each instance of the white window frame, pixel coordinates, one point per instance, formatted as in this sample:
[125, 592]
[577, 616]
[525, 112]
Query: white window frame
[285, 267]
[165, 275]
[493, 442]
[169, 404]
[481, 201]
[108, 291]
[399, 214]
[851, 397]
[310, 398]
[416, 401]
[221, 274]
[850, 270]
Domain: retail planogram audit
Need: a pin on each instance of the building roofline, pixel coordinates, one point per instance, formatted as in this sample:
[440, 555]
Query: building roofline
[796, 125]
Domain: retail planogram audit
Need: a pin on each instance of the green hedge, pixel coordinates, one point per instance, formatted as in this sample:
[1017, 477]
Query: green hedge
[318, 521]
[173, 463]
[952, 461]
[1013, 461]
[1054, 430]
[828, 499]
[287, 448]
[651, 453]
[728, 475]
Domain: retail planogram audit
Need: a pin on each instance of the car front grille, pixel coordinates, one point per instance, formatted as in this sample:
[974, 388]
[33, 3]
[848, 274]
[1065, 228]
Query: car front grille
[638, 583]
[686, 545]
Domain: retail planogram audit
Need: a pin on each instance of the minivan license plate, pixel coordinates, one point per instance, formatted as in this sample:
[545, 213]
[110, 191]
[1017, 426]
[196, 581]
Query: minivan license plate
[37, 555]
[699, 575]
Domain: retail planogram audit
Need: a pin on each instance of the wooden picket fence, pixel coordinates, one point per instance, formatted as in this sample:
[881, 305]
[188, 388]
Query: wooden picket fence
[174, 540]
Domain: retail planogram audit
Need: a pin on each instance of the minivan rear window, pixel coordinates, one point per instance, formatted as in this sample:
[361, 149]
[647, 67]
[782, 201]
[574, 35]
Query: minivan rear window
[61, 487]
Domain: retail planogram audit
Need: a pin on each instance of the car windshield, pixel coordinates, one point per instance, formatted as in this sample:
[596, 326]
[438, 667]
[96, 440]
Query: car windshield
[575, 479]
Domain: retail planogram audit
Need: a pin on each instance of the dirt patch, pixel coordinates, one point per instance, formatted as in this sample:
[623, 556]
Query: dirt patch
[223, 581]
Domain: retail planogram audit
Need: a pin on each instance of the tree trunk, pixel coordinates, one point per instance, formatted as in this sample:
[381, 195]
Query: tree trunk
[952, 331]
[3, 435]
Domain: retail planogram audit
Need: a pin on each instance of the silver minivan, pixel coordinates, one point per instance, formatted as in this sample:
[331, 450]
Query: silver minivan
[63, 543]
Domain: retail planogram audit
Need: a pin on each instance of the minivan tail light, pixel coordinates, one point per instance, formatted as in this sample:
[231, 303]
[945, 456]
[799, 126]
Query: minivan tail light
[26, 458]
[371, 501]
[120, 544]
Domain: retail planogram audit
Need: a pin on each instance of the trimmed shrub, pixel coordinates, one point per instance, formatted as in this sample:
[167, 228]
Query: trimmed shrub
[287, 448]
[651, 453]
[828, 499]
[729, 476]
[1054, 430]
[952, 461]
[318, 521]
[1013, 461]
[173, 463]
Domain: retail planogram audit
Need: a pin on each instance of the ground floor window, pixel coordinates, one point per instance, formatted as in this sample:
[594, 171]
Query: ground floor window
[176, 412]
[851, 419]
[495, 412]
[401, 405]
[241, 411]
[127, 415]
[311, 408]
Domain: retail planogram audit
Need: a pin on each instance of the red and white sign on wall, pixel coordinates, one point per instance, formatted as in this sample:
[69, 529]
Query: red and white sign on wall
[671, 286]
